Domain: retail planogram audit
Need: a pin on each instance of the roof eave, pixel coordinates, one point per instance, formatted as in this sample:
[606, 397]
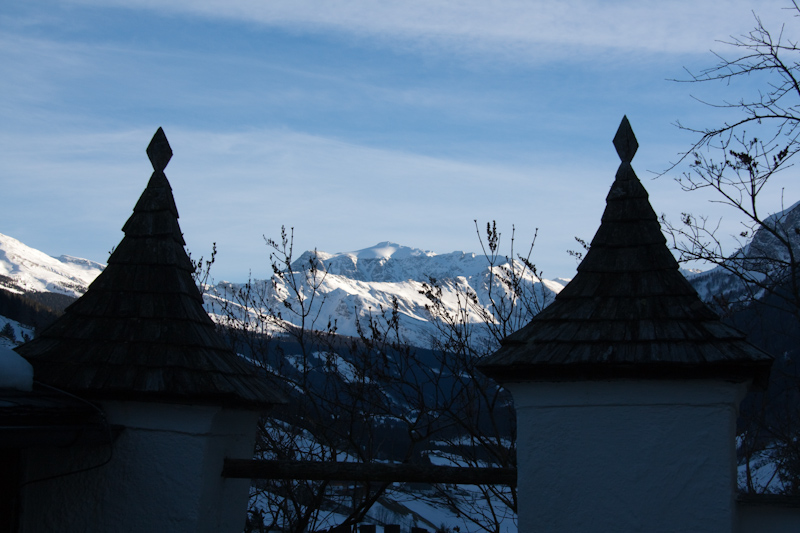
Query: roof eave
[755, 372]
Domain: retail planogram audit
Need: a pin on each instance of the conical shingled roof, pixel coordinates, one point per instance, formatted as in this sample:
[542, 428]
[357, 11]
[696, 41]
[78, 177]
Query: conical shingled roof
[140, 331]
[629, 312]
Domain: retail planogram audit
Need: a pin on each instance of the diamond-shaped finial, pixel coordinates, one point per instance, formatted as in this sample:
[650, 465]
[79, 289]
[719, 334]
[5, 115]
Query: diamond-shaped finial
[159, 151]
[625, 141]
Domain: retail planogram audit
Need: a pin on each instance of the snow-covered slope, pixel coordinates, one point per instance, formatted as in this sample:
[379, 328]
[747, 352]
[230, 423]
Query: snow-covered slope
[12, 333]
[25, 269]
[390, 262]
[352, 286]
[763, 260]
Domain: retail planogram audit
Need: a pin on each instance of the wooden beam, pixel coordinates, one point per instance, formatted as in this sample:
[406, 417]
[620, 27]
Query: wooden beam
[368, 472]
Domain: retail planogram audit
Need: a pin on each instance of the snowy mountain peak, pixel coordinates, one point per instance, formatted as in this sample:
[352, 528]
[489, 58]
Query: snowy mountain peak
[387, 250]
[361, 283]
[24, 269]
[391, 262]
[762, 259]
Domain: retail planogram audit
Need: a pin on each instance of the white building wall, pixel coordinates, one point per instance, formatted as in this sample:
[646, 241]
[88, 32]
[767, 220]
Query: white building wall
[164, 474]
[626, 456]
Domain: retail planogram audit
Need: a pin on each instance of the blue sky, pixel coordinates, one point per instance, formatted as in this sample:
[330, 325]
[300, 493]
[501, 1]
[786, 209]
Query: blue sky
[353, 122]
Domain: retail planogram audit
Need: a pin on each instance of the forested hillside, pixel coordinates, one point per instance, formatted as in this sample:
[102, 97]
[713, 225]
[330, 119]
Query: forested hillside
[38, 309]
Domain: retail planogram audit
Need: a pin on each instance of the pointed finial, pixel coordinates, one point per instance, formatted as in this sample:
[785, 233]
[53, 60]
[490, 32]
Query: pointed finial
[159, 151]
[625, 141]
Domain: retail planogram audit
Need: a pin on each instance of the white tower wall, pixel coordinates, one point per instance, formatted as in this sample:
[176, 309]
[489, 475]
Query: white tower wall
[649, 456]
[164, 475]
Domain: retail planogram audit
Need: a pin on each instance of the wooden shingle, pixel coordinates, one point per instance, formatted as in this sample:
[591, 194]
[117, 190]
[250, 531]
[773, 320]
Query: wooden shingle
[140, 331]
[629, 312]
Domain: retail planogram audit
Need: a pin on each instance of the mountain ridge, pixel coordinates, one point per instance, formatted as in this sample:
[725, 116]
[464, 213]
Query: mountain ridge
[24, 269]
[352, 287]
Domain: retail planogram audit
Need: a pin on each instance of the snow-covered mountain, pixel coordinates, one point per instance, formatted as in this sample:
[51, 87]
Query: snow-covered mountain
[390, 262]
[25, 269]
[765, 259]
[348, 287]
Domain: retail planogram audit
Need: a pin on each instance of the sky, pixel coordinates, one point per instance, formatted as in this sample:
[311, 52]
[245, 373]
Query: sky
[353, 121]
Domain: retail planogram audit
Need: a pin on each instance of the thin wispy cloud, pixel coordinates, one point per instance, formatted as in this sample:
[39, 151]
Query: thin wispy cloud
[514, 30]
[233, 188]
[335, 194]
[45, 72]
[353, 122]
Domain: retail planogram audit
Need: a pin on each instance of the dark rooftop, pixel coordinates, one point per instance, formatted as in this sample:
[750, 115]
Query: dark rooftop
[629, 312]
[140, 332]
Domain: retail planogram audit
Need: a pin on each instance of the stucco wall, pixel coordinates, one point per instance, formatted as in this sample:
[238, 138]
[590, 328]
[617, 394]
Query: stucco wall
[164, 474]
[626, 456]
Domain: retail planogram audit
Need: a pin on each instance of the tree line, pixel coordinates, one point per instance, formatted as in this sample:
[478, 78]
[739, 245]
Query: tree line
[38, 310]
